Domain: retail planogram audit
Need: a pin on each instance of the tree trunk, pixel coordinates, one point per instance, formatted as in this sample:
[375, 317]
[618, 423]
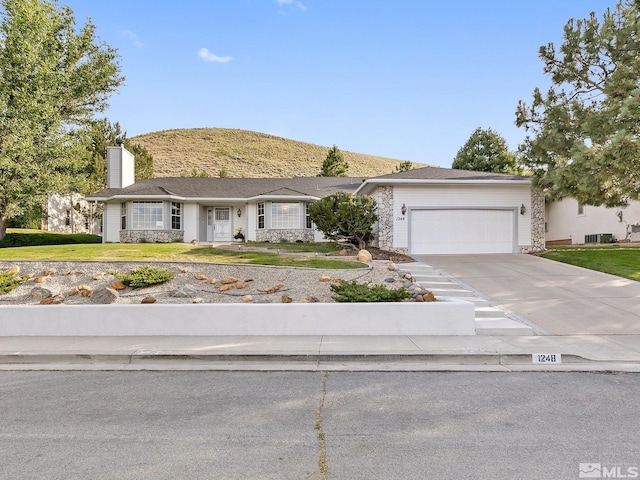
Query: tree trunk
[3, 227]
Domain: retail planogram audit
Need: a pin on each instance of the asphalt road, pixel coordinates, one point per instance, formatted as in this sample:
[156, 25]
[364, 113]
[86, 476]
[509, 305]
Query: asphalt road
[248, 425]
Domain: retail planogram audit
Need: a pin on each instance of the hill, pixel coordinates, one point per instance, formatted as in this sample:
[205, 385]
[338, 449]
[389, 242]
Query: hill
[247, 154]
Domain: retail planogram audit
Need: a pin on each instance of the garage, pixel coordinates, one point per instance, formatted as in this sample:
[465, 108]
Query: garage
[461, 230]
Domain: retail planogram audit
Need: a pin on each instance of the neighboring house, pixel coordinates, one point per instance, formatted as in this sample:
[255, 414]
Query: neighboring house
[426, 210]
[71, 213]
[571, 223]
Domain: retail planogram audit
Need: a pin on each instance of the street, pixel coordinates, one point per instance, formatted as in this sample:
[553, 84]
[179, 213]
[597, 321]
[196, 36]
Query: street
[339, 425]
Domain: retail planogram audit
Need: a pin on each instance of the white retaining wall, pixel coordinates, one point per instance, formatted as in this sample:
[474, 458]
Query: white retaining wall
[444, 317]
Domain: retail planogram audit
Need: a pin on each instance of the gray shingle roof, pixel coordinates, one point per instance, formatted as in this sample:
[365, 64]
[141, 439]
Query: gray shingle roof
[195, 187]
[437, 173]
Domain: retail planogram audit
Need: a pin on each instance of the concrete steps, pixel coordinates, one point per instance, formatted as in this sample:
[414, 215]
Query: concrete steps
[490, 319]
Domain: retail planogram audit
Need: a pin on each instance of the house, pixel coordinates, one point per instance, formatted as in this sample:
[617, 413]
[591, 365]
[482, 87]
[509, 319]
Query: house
[569, 222]
[426, 210]
[71, 213]
[443, 211]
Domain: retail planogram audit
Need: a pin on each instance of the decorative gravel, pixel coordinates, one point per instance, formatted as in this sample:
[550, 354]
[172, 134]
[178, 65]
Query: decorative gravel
[298, 284]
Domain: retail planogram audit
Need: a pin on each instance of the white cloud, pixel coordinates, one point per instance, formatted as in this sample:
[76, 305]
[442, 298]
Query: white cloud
[207, 56]
[296, 3]
[128, 34]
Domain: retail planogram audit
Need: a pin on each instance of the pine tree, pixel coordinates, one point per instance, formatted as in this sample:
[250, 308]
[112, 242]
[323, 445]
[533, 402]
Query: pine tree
[485, 151]
[584, 137]
[334, 165]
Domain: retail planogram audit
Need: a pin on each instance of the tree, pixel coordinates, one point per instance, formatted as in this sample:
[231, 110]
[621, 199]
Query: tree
[345, 216]
[102, 134]
[485, 151]
[403, 167]
[585, 131]
[52, 81]
[334, 165]
[194, 172]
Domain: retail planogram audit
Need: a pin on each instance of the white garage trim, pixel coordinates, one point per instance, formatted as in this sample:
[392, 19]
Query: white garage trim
[460, 230]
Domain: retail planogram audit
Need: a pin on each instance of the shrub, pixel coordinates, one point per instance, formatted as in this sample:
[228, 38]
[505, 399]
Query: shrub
[47, 238]
[144, 277]
[8, 282]
[364, 292]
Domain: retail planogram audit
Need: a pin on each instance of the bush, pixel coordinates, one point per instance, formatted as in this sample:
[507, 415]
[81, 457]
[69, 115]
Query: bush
[144, 277]
[47, 238]
[363, 292]
[8, 282]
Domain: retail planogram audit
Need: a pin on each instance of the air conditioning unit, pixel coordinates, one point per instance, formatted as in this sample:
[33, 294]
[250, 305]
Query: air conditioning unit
[598, 238]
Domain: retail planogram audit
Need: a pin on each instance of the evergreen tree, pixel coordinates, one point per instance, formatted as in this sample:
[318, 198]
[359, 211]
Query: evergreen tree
[53, 79]
[485, 151]
[334, 165]
[345, 216]
[403, 167]
[585, 131]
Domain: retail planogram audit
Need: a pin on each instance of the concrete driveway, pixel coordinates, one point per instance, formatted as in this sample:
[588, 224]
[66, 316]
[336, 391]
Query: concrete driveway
[561, 299]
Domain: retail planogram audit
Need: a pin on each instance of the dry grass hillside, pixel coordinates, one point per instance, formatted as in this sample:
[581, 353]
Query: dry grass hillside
[247, 154]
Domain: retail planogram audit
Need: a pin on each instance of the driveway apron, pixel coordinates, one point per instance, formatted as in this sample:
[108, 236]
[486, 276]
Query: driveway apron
[560, 298]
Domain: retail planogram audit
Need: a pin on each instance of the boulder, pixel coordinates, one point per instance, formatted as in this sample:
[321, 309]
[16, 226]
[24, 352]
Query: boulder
[41, 293]
[49, 272]
[105, 296]
[149, 300]
[365, 256]
[429, 297]
[185, 291]
[247, 298]
[197, 300]
[324, 278]
[200, 277]
[229, 280]
[118, 285]
[286, 298]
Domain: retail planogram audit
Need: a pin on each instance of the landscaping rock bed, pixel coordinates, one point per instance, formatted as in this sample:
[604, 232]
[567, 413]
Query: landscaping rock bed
[91, 283]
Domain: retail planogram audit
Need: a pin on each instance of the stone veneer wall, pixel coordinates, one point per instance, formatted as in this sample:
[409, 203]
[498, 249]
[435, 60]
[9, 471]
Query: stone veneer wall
[385, 217]
[537, 223]
[151, 236]
[290, 235]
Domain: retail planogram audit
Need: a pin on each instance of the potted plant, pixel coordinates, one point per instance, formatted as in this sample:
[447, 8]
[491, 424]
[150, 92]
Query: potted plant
[239, 236]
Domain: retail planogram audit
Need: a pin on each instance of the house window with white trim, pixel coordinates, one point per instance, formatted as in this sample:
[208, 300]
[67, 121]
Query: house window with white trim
[261, 215]
[176, 216]
[147, 216]
[285, 215]
[123, 216]
[308, 221]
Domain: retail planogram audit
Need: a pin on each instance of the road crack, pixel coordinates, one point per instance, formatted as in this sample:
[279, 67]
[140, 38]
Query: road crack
[322, 456]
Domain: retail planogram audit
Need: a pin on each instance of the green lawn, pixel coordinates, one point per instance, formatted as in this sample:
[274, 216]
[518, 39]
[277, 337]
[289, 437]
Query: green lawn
[620, 260]
[165, 252]
[324, 247]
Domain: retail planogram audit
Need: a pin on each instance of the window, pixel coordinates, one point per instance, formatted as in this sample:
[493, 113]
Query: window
[261, 215]
[67, 218]
[580, 208]
[123, 216]
[285, 215]
[308, 222]
[176, 216]
[147, 216]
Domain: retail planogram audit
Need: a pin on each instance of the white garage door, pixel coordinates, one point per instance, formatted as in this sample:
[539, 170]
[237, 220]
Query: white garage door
[461, 231]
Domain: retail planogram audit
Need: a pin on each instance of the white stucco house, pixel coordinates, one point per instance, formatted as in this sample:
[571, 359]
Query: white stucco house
[569, 222]
[71, 213]
[426, 210]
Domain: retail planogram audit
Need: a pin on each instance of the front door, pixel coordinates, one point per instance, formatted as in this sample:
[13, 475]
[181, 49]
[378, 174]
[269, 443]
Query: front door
[221, 224]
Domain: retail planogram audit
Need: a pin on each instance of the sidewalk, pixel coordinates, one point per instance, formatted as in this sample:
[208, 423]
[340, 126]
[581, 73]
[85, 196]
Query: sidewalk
[322, 353]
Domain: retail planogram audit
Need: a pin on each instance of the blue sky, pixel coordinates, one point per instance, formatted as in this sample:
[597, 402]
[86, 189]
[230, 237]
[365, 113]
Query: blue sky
[407, 79]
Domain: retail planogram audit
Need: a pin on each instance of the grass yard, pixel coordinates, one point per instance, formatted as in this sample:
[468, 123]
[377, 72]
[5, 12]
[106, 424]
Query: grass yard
[165, 252]
[324, 247]
[621, 260]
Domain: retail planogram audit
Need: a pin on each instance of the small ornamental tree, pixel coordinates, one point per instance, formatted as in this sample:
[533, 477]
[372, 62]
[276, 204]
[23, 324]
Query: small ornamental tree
[334, 165]
[343, 216]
